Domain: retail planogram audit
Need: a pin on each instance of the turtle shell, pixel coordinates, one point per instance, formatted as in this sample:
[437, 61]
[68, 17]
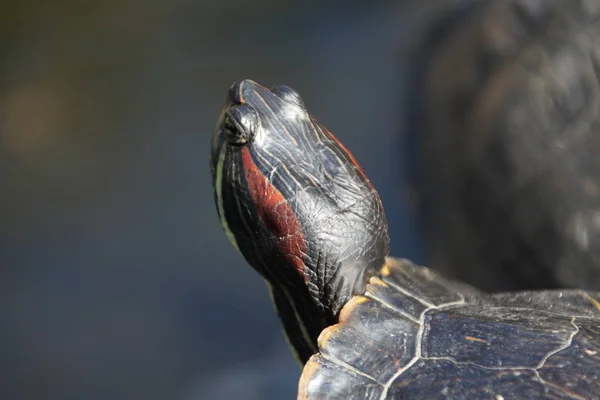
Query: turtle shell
[507, 155]
[416, 335]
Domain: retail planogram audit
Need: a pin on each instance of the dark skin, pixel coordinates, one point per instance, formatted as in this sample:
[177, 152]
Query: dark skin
[297, 205]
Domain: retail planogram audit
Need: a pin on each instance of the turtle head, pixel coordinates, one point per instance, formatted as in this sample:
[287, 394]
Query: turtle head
[294, 201]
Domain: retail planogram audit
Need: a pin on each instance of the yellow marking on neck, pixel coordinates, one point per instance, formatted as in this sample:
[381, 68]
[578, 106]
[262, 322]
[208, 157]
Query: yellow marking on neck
[219, 189]
[301, 325]
[285, 335]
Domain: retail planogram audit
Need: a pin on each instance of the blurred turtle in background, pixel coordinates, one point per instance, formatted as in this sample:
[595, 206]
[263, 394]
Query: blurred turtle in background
[504, 143]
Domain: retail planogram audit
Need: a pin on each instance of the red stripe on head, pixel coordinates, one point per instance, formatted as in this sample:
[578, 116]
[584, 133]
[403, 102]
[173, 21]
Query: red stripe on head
[276, 213]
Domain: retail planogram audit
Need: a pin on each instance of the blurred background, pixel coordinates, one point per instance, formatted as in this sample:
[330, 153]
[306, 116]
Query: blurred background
[118, 282]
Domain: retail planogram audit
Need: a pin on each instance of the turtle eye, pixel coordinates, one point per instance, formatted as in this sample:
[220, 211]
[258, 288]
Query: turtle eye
[288, 94]
[240, 124]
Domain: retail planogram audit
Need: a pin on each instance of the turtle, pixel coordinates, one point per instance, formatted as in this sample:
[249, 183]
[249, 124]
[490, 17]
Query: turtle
[296, 204]
[511, 90]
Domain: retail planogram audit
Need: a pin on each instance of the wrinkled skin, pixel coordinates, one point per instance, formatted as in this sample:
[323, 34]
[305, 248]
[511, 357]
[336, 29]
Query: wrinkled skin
[296, 204]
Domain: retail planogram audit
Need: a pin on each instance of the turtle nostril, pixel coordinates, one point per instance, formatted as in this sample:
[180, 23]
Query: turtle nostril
[235, 92]
[240, 124]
